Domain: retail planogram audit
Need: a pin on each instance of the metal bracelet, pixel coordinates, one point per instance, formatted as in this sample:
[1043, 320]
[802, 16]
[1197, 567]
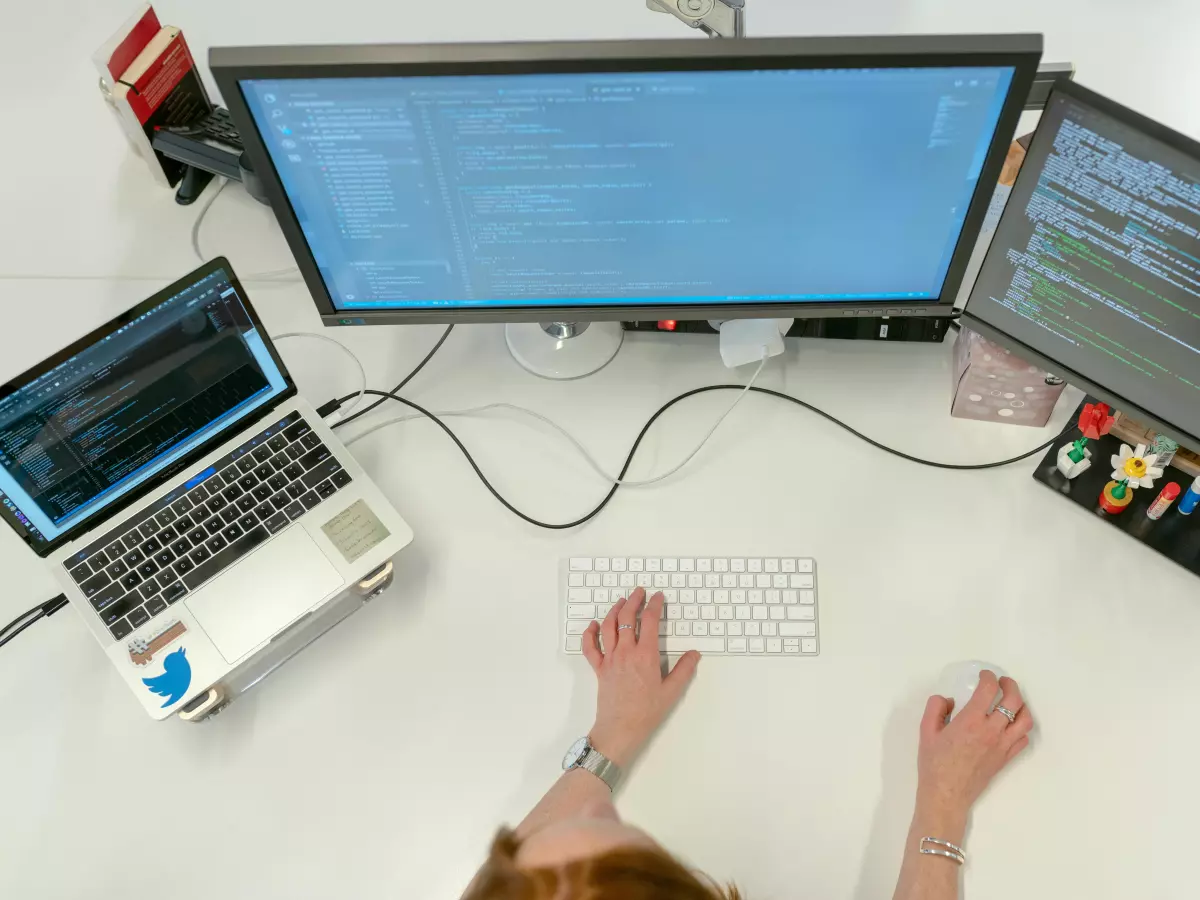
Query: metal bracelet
[955, 853]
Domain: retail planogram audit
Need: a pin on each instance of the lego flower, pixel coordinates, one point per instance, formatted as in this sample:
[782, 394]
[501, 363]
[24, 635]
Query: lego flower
[1135, 467]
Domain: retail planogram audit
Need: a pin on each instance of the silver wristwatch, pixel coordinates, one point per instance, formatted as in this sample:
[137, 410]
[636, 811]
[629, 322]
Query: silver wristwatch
[583, 755]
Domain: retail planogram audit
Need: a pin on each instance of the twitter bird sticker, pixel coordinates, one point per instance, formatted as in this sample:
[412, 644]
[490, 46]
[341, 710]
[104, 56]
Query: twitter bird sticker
[175, 679]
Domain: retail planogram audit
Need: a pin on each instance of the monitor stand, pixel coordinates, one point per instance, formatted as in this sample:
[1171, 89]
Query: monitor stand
[564, 350]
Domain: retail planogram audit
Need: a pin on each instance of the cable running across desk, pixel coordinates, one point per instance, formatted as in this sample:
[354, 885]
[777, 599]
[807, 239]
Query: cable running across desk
[384, 395]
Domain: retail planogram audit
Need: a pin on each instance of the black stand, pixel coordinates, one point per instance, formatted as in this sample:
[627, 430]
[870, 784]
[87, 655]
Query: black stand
[192, 186]
[1175, 536]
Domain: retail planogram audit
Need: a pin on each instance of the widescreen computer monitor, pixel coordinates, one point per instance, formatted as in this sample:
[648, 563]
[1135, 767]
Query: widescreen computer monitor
[1094, 269]
[602, 181]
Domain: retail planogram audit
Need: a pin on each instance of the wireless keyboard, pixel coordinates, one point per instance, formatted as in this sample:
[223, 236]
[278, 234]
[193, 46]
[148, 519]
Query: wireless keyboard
[741, 605]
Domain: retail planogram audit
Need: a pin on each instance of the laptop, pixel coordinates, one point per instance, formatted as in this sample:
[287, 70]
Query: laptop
[191, 505]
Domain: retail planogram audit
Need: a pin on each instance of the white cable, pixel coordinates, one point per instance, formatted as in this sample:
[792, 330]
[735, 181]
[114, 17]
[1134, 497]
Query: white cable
[362, 372]
[596, 467]
[287, 275]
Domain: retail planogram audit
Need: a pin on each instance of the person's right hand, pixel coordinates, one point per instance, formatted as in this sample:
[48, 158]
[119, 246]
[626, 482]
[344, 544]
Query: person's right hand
[957, 761]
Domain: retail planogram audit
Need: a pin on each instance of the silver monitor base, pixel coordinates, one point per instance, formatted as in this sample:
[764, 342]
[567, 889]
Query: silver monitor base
[564, 350]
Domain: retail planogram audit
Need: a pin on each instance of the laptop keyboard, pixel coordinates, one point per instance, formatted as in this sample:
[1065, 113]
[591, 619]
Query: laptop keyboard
[206, 525]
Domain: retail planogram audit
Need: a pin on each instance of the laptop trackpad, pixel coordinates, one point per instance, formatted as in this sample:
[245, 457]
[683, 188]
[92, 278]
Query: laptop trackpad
[248, 603]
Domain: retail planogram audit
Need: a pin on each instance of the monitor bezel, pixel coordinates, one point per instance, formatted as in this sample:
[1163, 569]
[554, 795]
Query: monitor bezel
[1156, 131]
[1022, 52]
[105, 513]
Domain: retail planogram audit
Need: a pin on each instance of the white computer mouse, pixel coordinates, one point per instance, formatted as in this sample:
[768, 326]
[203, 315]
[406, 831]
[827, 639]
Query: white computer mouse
[959, 680]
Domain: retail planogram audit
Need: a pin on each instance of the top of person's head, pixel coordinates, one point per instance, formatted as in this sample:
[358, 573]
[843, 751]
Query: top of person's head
[624, 873]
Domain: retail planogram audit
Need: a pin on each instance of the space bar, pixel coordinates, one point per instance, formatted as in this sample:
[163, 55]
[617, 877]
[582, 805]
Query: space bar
[226, 557]
[683, 644]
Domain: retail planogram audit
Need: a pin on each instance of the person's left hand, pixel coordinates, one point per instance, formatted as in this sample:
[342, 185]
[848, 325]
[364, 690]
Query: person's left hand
[634, 697]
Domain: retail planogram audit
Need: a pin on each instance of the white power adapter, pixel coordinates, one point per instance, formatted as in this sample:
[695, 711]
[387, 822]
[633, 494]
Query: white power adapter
[745, 341]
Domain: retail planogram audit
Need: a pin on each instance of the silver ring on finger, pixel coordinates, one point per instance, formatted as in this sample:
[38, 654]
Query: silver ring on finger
[1007, 713]
[623, 627]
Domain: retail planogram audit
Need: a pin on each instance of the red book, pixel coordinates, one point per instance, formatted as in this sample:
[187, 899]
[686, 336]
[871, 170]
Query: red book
[150, 79]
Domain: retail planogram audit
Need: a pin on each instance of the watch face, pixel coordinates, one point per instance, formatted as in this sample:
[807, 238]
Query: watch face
[576, 754]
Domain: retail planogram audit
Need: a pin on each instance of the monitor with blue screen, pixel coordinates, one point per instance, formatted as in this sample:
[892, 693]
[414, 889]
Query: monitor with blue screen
[603, 181]
[93, 426]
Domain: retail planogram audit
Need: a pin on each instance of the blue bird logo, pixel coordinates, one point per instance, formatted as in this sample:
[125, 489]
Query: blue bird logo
[175, 679]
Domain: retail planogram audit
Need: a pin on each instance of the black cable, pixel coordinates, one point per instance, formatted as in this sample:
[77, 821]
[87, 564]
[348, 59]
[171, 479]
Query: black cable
[411, 375]
[384, 395]
[41, 611]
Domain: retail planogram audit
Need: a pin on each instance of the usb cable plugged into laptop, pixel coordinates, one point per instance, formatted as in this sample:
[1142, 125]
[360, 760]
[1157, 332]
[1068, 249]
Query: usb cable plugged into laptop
[27, 618]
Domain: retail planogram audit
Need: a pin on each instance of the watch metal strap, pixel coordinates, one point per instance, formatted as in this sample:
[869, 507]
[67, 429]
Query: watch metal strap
[602, 767]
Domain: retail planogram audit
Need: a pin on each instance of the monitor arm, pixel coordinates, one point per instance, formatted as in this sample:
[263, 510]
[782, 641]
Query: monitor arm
[716, 18]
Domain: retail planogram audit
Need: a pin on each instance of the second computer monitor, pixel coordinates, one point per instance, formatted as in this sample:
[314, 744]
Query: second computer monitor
[616, 180]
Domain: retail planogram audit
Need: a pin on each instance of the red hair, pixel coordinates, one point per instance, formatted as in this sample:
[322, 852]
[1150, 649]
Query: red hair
[623, 874]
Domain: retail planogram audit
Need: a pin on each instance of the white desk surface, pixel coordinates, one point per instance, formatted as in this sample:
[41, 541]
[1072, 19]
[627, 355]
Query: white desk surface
[379, 763]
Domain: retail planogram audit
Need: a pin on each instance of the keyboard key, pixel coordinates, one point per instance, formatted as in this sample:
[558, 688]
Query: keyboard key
[120, 629]
[106, 596]
[281, 501]
[808, 597]
[310, 500]
[166, 517]
[277, 443]
[115, 550]
[149, 588]
[246, 464]
[148, 568]
[808, 645]
[182, 505]
[261, 454]
[132, 539]
[295, 451]
[166, 576]
[229, 475]
[217, 503]
[183, 566]
[232, 533]
[276, 523]
[173, 592]
[757, 645]
[232, 492]
[167, 536]
[214, 525]
[800, 581]
[294, 511]
[320, 472]
[92, 586]
[791, 645]
[804, 565]
[295, 490]
[245, 503]
[280, 461]
[263, 472]
[247, 482]
[180, 547]
[155, 606]
[133, 558]
[230, 514]
[197, 536]
[736, 645]
[774, 645]
[214, 484]
[798, 629]
[117, 569]
[297, 431]
[581, 611]
[148, 528]
[201, 513]
[264, 511]
[787, 565]
[310, 441]
[293, 471]
[236, 550]
[216, 543]
[315, 456]
[247, 521]
[277, 482]
[770, 565]
[151, 547]
[197, 494]
[200, 554]
[130, 580]
[262, 493]
[184, 524]
[81, 572]
[683, 644]
[325, 490]
[138, 617]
